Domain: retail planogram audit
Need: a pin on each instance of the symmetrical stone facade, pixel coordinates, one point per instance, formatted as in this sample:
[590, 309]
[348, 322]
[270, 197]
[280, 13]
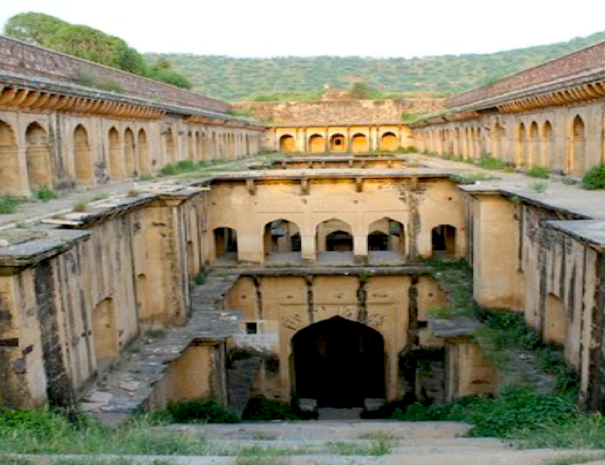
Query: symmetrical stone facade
[341, 138]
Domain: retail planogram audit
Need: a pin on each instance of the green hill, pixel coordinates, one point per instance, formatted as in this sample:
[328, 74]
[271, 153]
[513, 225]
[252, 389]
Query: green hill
[302, 78]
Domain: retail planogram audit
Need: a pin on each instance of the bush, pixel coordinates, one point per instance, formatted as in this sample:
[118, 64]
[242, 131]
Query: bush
[181, 167]
[8, 205]
[45, 193]
[538, 172]
[490, 163]
[594, 178]
[515, 410]
[199, 411]
[263, 409]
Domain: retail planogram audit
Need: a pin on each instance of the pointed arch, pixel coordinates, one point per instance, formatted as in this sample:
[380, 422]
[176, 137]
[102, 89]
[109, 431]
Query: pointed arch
[82, 156]
[37, 155]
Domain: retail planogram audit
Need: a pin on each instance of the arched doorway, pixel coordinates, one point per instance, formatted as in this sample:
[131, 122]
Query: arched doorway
[389, 142]
[170, 146]
[82, 156]
[577, 151]
[287, 144]
[338, 143]
[115, 154]
[386, 235]
[10, 183]
[443, 238]
[143, 152]
[282, 240]
[360, 143]
[129, 151]
[533, 158]
[39, 171]
[317, 144]
[339, 362]
[225, 243]
[521, 148]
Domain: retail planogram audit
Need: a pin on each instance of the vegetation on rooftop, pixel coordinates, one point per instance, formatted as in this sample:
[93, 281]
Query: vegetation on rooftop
[93, 45]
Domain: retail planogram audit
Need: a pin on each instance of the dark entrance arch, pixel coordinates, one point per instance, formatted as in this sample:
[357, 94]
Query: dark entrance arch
[339, 363]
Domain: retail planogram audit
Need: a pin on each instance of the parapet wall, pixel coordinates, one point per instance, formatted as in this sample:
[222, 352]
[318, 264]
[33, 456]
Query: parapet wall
[33, 61]
[340, 111]
[567, 66]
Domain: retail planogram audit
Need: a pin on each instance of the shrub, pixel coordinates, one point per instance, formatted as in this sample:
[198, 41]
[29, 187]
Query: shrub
[539, 187]
[594, 178]
[538, 172]
[180, 167]
[263, 409]
[46, 193]
[199, 411]
[490, 163]
[8, 205]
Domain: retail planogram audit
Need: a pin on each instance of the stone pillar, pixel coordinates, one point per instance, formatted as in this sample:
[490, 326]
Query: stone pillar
[308, 247]
[495, 252]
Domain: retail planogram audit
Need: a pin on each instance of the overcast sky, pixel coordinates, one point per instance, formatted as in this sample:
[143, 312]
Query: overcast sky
[380, 28]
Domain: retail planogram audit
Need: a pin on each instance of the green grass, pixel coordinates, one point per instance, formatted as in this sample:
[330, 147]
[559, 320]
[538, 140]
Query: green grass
[538, 172]
[575, 459]
[8, 205]
[594, 178]
[46, 193]
[373, 448]
[540, 187]
[198, 411]
[491, 163]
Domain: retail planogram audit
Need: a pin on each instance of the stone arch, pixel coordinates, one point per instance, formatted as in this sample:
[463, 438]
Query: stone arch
[521, 145]
[443, 240]
[287, 143]
[338, 143]
[534, 148]
[334, 235]
[389, 142]
[82, 156]
[360, 143]
[115, 154]
[498, 137]
[191, 145]
[317, 143]
[105, 333]
[576, 158]
[10, 184]
[555, 320]
[130, 153]
[169, 145]
[548, 138]
[281, 237]
[339, 363]
[386, 234]
[37, 155]
[143, 152]
[225, 243]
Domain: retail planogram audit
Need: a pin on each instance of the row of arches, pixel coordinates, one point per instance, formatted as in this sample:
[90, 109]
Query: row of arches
[282, 240]
[339, 143]
[523, 144]
[84, 154]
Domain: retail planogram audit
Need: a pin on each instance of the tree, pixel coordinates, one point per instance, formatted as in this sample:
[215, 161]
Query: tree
[32, 27]
[162, 70]
[87, 43]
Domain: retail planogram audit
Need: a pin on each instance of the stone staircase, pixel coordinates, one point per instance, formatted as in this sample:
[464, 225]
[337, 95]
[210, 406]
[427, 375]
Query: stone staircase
[341, 442]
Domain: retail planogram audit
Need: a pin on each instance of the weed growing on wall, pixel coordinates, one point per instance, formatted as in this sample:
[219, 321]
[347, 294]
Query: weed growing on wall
[539, 187]
[46, 193]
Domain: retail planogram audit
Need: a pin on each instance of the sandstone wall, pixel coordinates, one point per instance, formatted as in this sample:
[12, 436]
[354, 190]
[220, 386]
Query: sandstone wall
[567, 66]
[37, 62]
[339, 111]
[419, 207]
[538, 261]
